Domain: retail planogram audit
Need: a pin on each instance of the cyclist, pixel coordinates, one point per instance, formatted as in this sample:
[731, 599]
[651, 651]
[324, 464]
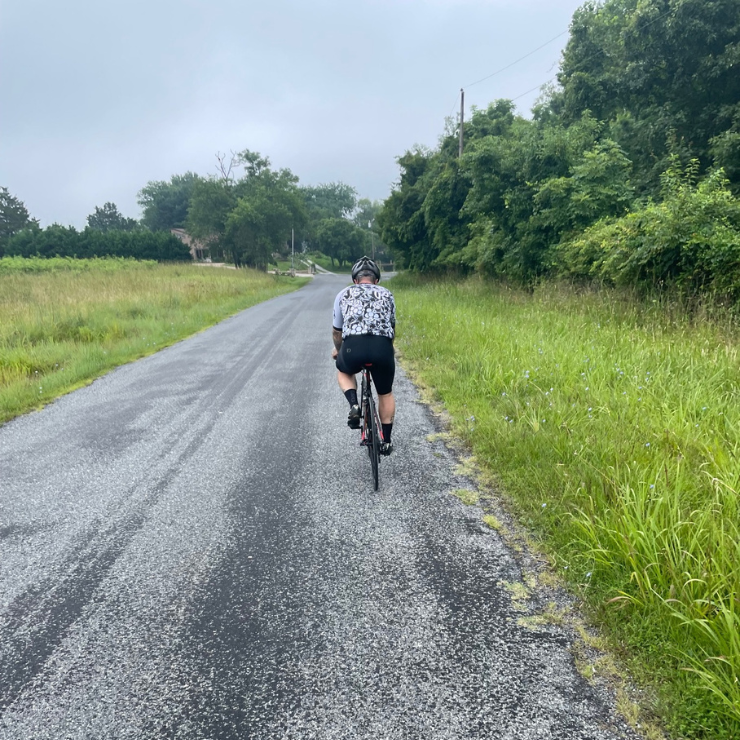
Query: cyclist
[363, 331]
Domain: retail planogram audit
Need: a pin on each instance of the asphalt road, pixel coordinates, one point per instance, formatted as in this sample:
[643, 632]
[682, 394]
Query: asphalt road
[191, 548]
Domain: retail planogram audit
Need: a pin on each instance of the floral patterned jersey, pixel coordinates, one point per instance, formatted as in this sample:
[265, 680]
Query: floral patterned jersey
[365, 308]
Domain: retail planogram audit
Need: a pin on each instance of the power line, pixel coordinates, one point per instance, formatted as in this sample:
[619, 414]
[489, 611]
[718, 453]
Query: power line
[454, 106]
[521, 59]
[503, 69]
[588, 58]
[524, 94]
[575, 68]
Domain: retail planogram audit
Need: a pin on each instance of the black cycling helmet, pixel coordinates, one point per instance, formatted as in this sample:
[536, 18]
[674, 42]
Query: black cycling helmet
[365, 264]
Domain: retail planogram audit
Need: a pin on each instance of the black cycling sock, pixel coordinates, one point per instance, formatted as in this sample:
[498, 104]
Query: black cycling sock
[351, 396]
[387, 432]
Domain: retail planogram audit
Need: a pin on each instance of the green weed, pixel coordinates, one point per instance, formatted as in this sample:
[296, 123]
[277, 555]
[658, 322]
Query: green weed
[468, 497]
[615, 427]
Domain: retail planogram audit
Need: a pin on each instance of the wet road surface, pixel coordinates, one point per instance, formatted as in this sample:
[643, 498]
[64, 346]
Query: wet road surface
[191, 548]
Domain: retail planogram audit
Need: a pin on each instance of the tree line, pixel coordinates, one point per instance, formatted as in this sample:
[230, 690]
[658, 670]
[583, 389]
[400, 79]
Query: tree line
[251, 217]
[249, 213]
[628, 170]
[66, 241]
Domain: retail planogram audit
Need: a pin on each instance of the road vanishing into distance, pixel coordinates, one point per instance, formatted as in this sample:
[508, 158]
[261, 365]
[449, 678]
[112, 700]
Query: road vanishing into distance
[191, 548]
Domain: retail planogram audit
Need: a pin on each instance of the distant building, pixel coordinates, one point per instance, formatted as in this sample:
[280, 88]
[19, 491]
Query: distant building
[199, 251]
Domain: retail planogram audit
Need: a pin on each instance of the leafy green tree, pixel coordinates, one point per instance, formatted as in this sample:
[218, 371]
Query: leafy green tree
[249, 218]
[520, 193]
[329, 200]
[645, 86]
[365, 218]
[445, 222]
[665, 71]
[268, 204]
[260, 224]
[14, 217]
[165, 204]
[332, 200]
[597, 187]
[725, 150]
[341, 240]
[211, 202]
[401, 221]
[108, 218]
[424, 222]
[365, 213]
[253, 162]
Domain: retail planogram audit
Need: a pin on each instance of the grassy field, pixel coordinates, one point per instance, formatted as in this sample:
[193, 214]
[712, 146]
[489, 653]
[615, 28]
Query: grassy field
[613, 428]
[64, 322]
[284, 265]
[323, 261]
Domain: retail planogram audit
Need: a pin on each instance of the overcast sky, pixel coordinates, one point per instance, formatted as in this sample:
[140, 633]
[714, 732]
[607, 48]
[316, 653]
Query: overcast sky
[98, 97]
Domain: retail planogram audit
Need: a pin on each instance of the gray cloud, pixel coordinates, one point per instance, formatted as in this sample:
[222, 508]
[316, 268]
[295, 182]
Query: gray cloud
[99, 98]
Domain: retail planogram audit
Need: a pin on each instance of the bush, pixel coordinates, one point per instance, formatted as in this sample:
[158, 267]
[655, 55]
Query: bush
[690, 241]
[66, 241]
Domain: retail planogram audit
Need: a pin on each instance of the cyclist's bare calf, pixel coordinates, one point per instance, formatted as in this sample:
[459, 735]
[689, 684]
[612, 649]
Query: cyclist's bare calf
[386, 408]
[386, 403]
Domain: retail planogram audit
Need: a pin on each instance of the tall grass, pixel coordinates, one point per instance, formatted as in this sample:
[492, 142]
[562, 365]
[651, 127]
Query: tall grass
[10, 265]
[65, 321]
[614, 425]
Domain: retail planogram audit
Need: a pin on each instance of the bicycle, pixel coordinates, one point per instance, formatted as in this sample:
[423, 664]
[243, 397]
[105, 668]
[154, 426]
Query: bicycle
[370, 426]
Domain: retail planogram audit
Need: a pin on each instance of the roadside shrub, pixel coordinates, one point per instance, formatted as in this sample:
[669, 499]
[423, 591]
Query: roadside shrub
[689, 241]
[66, 241]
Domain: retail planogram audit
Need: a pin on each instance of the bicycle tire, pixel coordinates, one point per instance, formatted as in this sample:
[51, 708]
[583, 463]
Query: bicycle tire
[374, 448]
[363, 398]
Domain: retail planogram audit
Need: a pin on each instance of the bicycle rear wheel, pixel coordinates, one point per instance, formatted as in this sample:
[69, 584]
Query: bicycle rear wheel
[373, 448]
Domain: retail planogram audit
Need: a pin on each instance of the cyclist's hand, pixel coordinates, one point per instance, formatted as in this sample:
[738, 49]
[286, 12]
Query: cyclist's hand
[334, 353]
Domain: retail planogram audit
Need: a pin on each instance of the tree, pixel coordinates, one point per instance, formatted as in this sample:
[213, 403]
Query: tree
[267, 206]
[401, 221]
[339, 239]
[332, 200]
[108, 218]
[645, 86]
[248, 218]
[253, 162]
[665, 71]
[165, 204]
[366, 212]
[725, 150]
[365, 218]
[598, 187]
[211, 202]
[260, 223]
[13, 217]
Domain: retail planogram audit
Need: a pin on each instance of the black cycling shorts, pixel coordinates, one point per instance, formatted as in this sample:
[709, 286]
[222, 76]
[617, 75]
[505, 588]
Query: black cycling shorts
[369, 349]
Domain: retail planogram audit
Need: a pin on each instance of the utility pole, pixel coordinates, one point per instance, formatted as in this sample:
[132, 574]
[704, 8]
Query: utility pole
[462, 119]
[292, 250]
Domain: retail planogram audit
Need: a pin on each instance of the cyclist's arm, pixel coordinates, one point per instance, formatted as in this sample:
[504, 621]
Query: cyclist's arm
[393, 318]
[337, 324]
[336, 337]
